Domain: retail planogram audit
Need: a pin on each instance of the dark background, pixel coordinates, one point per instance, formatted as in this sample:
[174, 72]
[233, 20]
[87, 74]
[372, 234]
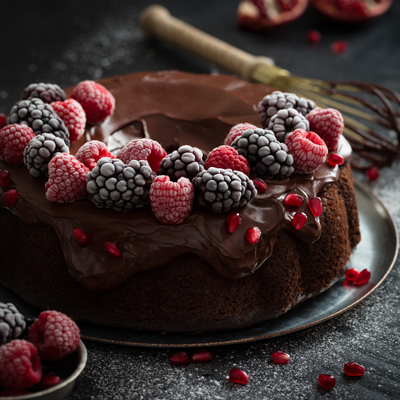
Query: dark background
[66, 42]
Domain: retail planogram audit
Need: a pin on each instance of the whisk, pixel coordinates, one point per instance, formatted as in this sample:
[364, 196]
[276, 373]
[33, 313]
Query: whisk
[366, 108]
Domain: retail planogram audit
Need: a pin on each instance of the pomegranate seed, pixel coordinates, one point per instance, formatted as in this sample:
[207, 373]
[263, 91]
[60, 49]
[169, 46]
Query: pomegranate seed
[201, 356]
[260, 185]
[351, 274]
[363, 277]
[253, 234]
[335, 159]
[236, 375]
[339, 47]
[299, 220]
[111, 249]
[179, 358]
[280, 357]
[373, 173]
[49, 381]
[233, 221]
[353, 369]
[10, 198]
[4, 178]
[327, 381]
[315, 206]
[293, 199]
[3, 121]
[313, 37]
[80, 237]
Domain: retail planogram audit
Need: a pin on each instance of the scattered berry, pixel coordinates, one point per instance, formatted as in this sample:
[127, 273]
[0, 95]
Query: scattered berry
[299, 220]
[351, 274]
[95, 99]
[55, 335]
[80, 237]
[3, 120]
[280, 357]
[327, 382]
[47, 92]
[363, 277]
[13, 140]
[10, 198]
[91, 152]
[353, 369]
[40, 150]
[236, 375]
[49, 381]
[179, 358]
[5, 178]
[253, 234]
[293, 199]
[143, 149]
[113, 184]
[260, 185]
[73, 116]
[286, 121]
[233, 221]
[12, 323]
[186, 162]
[335, 159]
[223, 190]
[67, 179]
[308, 149]
[313, 37]
[19, 365]
[339, 47]
[315, 206]
[201, 356]
[373, 174]
[328, 124]
[227, 157]
[111, 249]
[237, 131]
[265, 153]
[171, 201]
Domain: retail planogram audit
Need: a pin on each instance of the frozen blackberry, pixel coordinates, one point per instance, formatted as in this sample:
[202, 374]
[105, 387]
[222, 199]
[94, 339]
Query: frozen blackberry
[186, 162]
[40, 151]
[48, 92]
[12, 323]
[223, 190]
[276, 101]
[40, 117]
[265, 153]
[286, 121]
[113, 184]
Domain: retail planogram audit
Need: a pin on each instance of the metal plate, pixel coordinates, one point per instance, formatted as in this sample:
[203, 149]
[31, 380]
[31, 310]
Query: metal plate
[377, 252]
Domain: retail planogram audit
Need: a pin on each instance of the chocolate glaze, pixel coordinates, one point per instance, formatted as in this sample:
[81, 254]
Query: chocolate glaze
[173, 108]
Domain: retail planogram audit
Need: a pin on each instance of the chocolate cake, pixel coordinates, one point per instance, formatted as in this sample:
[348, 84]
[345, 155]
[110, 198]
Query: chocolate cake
[195, 276]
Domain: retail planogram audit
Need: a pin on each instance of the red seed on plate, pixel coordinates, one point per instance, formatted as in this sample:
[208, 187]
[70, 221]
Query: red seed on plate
[201, 356]
[280, 357]
[233, 221]
[313, 37]
[339, 47]
[4, 178]
[293, 199]
[335, 159]
[112, 249]
[260, 185]
[353, 369]
[363, 277]
[299, 220]
[373, 173]
[10, 198]
[49, 381]
[315, 206]
[179, 358]
[80, 237]
[327, 382]
[351, 274]
[236, 375]
[253, 234]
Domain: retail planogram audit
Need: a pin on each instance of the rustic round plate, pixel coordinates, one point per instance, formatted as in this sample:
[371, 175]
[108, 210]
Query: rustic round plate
[377, 252]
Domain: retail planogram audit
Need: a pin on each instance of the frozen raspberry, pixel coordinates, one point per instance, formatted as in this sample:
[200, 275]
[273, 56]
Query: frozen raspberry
[328, 124]
[143, 149]
[171, 201]
[67, 179]
[73, 115]
[3, 121]
[95, 99]
[55, 335]
[308, 149]
[91, 152]
[13, 140]
[19, 365]
[47, 92]
[237, 131]
[227, 157]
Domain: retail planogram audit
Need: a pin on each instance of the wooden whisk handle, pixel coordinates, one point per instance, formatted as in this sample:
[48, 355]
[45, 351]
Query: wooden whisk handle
[156, 21]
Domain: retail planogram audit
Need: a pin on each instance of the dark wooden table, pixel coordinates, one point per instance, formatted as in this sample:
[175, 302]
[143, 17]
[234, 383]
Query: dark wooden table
[66, 42]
